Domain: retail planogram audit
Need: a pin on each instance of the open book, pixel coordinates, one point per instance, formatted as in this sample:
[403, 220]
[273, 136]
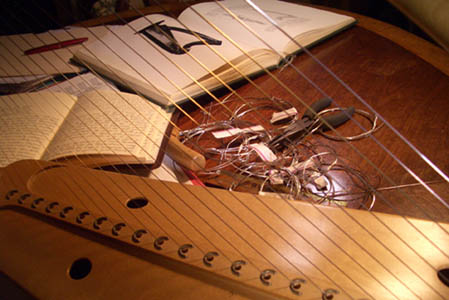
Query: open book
[97, 128]
[212, 43]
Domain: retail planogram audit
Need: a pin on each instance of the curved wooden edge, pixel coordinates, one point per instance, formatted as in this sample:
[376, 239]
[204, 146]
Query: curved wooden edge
[430, 17]
[427, 51]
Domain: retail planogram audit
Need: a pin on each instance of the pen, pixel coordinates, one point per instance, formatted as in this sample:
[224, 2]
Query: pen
[55, 46]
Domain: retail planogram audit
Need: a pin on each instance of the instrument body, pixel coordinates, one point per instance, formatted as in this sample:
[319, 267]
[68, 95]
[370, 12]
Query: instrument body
[389, 256]
[320, 247]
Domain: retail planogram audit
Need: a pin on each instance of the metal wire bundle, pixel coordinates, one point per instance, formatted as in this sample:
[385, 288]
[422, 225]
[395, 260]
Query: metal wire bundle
[303, 170]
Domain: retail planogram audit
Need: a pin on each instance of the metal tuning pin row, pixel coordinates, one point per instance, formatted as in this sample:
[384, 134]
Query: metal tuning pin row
[85, 218]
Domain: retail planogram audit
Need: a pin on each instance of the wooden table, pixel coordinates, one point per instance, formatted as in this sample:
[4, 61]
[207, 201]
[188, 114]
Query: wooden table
[405, 79]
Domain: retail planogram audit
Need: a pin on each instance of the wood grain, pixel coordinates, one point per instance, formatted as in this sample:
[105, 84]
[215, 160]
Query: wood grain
[432, 54]
[357, 253]
[409, 93]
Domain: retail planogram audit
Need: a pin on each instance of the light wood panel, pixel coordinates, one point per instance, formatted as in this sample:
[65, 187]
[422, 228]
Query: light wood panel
[357, 253]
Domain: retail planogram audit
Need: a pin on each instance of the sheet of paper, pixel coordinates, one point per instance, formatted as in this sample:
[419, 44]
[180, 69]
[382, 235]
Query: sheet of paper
[170, 171]
[82, 84]
[259, 30]
[29, 122]
[22, 79]
[111, 123]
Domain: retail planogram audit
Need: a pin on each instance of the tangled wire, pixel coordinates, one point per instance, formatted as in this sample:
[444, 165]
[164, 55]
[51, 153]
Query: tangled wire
[238, 147]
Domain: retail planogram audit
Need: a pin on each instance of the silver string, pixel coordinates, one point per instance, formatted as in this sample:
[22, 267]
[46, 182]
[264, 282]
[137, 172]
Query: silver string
[308, 52]
[431, 164]
[218, 233]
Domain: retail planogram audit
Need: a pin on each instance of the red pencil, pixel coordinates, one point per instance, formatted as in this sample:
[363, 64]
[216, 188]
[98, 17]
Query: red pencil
[55, 46]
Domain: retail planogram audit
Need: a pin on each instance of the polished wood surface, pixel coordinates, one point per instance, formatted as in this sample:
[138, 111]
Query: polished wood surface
[404, 78]
[409, 93]
[309, 249]
[425, 50]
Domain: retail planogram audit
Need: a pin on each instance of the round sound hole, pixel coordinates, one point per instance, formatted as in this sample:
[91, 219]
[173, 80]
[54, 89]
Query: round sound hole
[137, 202]
[443, 275]
[80, 268]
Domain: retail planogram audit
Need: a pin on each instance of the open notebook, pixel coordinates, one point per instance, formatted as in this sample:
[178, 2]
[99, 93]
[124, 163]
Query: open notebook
[100, 127]
[170, 60]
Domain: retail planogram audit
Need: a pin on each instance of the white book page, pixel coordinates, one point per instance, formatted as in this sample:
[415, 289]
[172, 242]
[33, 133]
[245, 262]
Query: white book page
[22, 79]
[82, 84]
[29, 122]
[200, 59]
[108, 122]
[129, 54]
[170, 171]
[292, 18]
[13, 61]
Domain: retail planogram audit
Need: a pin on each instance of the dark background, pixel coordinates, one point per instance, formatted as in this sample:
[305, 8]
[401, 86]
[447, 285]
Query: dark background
[21, 16]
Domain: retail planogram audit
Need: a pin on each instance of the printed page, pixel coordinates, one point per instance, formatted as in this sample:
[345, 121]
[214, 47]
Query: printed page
[111, 123]
[22, 79]
[82, 84]
[13, 61]
[29, 122]
[259, 30]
